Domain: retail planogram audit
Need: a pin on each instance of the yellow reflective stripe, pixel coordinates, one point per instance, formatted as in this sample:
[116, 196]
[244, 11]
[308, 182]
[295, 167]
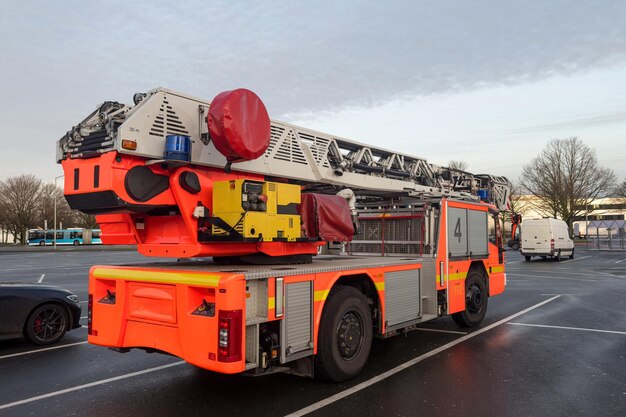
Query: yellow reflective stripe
[271, 303]
[497, 268]
[454, 277]
[321, 295]
[177, 277]
[457, 276]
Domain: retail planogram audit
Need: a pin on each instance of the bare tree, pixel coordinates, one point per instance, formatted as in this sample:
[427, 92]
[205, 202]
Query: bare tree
[620, 190]
[48, 196]
[88, 221]
[565, 177]
[458, 165]
[4, 223]
[19, 197]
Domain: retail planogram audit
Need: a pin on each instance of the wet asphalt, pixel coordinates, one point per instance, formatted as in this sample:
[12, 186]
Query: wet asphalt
[554, 344]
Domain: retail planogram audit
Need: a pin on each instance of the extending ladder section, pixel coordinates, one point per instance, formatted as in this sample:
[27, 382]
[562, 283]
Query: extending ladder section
[302, 155]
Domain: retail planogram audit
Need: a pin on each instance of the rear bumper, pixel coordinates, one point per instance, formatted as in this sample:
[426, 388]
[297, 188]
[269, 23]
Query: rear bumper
[156, 310]
[537, 253]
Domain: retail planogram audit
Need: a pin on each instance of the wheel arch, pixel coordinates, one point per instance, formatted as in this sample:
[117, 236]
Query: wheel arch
[479, 267]
[365, 284]
[46, 302]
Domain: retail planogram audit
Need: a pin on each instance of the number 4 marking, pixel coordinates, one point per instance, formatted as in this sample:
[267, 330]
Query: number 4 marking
[457, 229]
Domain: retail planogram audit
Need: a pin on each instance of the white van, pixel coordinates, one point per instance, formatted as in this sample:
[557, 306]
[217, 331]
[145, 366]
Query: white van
[546, 237]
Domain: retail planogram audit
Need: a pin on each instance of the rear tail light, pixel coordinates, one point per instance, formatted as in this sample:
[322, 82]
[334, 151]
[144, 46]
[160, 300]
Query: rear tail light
[229, 336]
[89, 314]
[551, 244]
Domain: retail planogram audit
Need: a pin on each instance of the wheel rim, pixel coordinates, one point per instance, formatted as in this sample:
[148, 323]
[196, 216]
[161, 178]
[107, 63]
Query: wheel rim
[474, 299]
[49, 324]
[350, 335]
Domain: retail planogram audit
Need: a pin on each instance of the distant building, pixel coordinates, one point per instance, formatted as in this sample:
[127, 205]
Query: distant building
[602, 209]
[6, 236]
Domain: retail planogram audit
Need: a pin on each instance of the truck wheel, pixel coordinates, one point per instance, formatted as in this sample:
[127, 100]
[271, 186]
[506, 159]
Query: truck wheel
[515, 246]
[344, 337]
[572, 254]
[527, 257]
[475, 301]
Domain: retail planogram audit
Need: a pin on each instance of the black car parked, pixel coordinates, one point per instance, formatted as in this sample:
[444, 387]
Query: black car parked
[41, 313]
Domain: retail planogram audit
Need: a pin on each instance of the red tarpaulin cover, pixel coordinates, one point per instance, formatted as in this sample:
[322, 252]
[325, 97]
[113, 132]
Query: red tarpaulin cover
[239, 125]
[326, 217]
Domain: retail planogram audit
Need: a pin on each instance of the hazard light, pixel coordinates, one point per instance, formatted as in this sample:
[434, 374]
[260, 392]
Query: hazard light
[229, 336]
[131, 145]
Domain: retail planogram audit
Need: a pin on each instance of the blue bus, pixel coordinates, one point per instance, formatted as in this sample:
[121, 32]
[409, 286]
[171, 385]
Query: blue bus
[74, 236]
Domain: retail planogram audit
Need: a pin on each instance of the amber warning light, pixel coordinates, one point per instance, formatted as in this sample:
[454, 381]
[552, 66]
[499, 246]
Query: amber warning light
[131, 145]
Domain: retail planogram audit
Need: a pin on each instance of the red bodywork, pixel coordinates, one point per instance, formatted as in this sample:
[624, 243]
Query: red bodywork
[163, 225]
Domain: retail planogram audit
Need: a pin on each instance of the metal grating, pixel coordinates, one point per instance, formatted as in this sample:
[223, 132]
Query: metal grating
[289, 149]
[276, 133]
[167, 122]
[402, 296]
[298, 330]
[318, 146]
[403, 235]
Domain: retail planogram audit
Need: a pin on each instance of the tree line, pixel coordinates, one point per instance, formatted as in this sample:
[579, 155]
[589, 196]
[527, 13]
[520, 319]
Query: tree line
[564, 178]
[26, 202]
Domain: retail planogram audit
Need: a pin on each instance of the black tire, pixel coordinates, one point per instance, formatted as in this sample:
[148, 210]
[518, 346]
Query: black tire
[47, 324]
[42, 243]
[527, 257]
[572, 254]
[76, 243]
[476, 297]
[344, 337]
[515, 246]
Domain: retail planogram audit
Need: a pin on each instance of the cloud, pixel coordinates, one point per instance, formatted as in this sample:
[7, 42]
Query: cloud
[61, 60]
[312, 55]
[585, 121]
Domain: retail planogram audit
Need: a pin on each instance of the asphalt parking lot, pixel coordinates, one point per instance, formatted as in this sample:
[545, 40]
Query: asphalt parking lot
[554, 344]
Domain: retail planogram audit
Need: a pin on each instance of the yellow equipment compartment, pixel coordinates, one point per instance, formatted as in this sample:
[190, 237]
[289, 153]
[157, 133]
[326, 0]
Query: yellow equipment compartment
[258, 210]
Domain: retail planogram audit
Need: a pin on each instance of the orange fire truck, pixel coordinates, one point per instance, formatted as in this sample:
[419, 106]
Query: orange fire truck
[243, 204]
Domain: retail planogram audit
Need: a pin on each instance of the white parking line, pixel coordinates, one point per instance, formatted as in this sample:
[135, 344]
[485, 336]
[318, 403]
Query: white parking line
[42, 350]
[514, 262]
[621, 260]
[568, 328]
[576, 259]
[559, 294]
[82, 302]
[424, 329]
[343, 394]
[41, 278]
[89, 385]
[551, 277]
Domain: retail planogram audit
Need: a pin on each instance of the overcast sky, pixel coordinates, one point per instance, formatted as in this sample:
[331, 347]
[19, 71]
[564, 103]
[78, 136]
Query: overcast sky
[487, 82]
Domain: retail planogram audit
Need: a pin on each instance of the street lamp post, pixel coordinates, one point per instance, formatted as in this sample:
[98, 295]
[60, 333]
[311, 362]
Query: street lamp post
[54, 241]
